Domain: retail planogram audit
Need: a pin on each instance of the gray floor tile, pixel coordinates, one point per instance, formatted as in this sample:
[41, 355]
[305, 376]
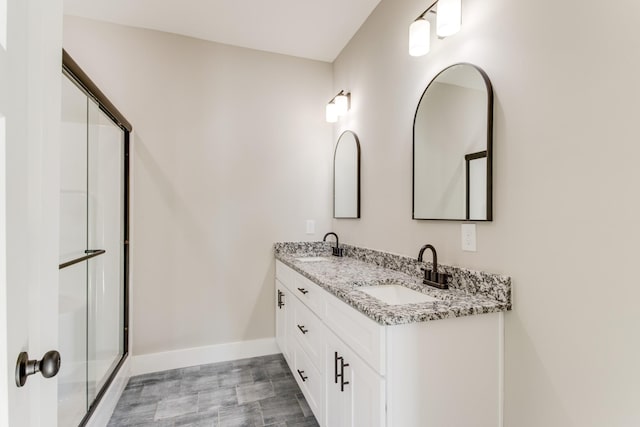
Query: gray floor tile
[249, 392]
[306, 409]
[285, 386]
[143, 411]
[243, 363]
[194, 385]
[137, 423]
[191, 370]
[248, 415]
[169, 408]
[217, 398]
[276, 368]
[280, 408]
[216, 368]
[306, 422]
[160, 389]
[200, 419]
[258, 373]
[235, 377]
[131, 394]
[254, 391]
[154, 377]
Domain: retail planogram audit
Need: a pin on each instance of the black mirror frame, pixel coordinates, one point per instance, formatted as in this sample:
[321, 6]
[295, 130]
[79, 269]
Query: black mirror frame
[489, 150]
[334, 175]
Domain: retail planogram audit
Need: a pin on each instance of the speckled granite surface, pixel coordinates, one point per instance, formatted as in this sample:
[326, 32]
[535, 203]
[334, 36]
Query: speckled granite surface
[470, 292]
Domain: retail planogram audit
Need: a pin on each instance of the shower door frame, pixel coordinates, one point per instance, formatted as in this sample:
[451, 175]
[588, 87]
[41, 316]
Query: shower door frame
[72, 70]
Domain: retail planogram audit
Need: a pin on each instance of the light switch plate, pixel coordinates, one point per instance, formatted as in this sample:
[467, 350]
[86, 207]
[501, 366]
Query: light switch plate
[469, 237]
[311, 226]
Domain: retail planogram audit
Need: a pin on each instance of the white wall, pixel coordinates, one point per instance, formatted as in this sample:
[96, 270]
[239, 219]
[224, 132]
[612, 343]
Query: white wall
[231, 153]
[566, 179]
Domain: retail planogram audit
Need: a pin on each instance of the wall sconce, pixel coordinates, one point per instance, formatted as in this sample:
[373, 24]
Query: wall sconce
[338, 106]
[448, 17]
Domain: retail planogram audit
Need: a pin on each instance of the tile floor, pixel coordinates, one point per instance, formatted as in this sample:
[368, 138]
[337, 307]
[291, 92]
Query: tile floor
[251, 392]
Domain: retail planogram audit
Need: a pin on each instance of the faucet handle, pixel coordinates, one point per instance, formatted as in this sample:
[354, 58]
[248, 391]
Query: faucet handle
[427, 274]
[441, 278]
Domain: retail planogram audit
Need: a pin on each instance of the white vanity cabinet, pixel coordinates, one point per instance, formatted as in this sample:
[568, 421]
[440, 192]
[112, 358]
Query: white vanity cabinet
[355, 372]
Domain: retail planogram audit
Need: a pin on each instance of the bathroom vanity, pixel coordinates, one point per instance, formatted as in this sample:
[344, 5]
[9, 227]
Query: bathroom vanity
[408, 356]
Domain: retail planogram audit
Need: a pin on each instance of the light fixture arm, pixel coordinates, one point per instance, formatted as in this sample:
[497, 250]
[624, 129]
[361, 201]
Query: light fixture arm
[338, 94]
[427, 10]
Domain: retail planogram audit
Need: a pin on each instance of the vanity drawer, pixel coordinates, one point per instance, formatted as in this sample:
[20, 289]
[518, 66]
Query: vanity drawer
[307, 291]
[309, 331]
[310, 294]
[365, 337]
[285, 275]
[311, 382]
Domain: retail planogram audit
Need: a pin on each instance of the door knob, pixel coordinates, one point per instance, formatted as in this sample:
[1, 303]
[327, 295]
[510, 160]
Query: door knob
[48, 366]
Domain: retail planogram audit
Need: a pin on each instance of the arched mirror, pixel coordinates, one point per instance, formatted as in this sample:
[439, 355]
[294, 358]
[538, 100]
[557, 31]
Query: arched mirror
[452, 147]
[346, 177]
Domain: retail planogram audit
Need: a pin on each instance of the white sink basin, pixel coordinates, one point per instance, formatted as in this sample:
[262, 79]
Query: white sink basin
[396, 294]
[312, 259]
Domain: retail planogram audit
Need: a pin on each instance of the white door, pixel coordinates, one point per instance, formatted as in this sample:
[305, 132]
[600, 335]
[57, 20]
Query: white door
[30, 62]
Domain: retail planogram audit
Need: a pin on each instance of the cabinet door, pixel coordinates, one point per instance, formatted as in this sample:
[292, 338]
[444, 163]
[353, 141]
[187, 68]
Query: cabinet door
[283, 308]
[355, 392]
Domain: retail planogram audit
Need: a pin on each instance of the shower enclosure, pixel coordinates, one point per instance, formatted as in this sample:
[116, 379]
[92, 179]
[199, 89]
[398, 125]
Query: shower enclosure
[93, 245]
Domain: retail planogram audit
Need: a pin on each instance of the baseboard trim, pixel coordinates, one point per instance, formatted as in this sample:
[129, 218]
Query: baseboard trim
[155, 362]
[104, 410]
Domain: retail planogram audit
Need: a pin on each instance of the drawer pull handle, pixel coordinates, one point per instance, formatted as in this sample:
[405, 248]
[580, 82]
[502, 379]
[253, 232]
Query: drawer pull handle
[303, 291]
[302, 377]
[280, 302]
[302, 329]
[341, 374]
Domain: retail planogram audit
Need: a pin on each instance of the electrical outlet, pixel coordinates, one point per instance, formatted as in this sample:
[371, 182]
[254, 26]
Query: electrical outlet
[311, 226]
[469, 237]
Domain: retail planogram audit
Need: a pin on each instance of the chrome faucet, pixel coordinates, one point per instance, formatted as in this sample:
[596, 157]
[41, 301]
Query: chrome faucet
[337, 250]
[432, 277]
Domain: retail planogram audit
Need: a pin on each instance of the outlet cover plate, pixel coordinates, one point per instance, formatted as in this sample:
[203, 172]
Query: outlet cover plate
[311, 226]
[469, 237]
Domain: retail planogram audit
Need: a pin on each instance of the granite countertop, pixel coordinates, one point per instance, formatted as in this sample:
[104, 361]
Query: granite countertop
[470, 292]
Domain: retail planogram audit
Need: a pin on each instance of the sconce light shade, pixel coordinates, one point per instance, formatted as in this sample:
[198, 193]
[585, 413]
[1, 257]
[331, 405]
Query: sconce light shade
[448, 17]
[419, 37]
[342, 104]
[332, 113]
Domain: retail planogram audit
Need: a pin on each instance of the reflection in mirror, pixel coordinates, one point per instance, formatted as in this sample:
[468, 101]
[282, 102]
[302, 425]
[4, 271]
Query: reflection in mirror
[452, 147]
[346, 177]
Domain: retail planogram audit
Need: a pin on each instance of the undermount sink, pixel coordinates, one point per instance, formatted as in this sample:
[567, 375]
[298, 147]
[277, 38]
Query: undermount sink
[312, 259]
[397, 294]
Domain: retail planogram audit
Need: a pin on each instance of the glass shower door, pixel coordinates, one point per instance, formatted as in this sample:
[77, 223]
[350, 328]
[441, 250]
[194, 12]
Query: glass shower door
[72, 314]
[105, 232]
[92, 258]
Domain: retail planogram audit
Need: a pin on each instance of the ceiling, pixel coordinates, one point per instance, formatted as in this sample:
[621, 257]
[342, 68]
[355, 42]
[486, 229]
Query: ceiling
[315, 29]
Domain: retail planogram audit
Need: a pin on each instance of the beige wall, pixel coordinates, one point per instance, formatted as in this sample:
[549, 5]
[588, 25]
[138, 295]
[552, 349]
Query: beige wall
[566, 209]
[231, 153]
